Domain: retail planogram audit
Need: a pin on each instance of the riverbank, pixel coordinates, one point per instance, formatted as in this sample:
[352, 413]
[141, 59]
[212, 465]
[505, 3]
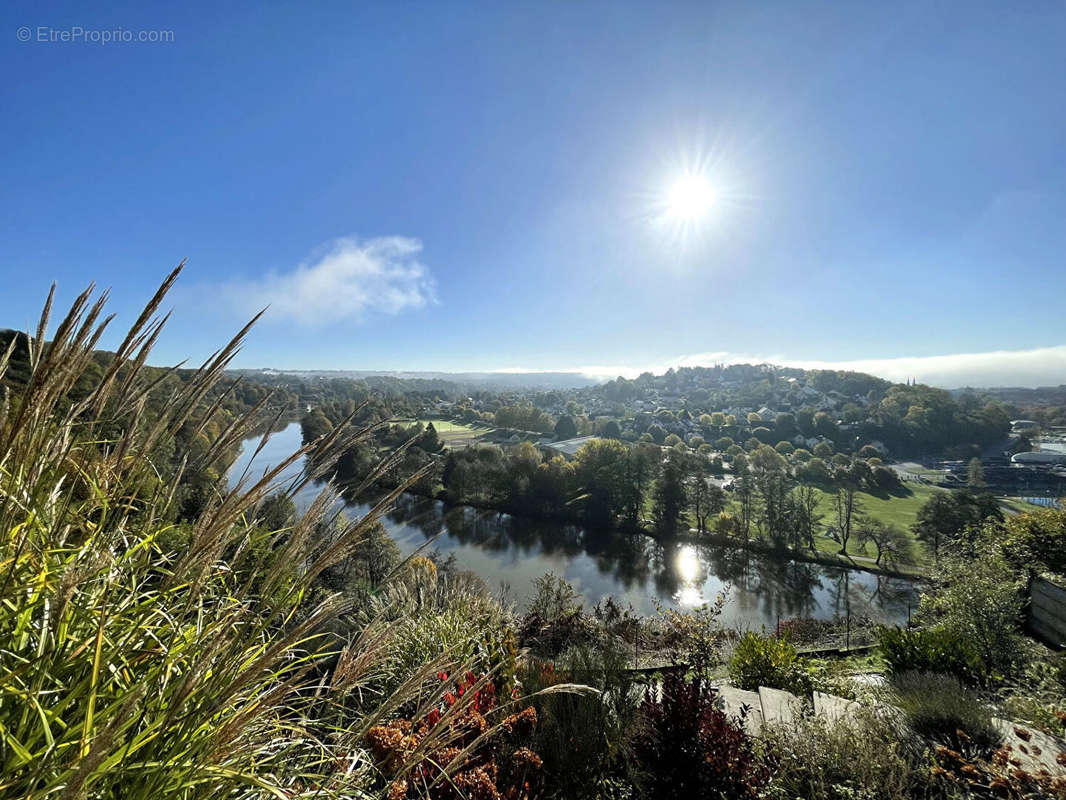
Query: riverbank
[513, 550]
[861, 563]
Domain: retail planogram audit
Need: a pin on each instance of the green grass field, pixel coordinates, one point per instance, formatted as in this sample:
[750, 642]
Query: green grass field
[457, 434]
[1010, 506]
[444, 426]
[900, 509]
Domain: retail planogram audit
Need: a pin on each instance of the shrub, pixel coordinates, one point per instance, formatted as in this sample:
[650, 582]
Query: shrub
[767, 661]
[688, 747]
[458, 624]
[1038, 696]
[835, 676]
[943, 711]
[1037, 539]
[885, 478]
[554, 598]
[555, 619]
[586, 739]
[979, 600]
[806, 629]
[1058, 668]
[929, 650]
[868, 756]
[692, 637]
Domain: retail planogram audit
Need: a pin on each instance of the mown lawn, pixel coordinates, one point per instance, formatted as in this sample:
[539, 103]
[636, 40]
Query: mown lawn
[447, 426]
[899, 508]
[457, 433]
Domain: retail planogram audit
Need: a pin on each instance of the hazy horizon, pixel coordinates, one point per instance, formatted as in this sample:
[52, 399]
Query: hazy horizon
[1042, 367]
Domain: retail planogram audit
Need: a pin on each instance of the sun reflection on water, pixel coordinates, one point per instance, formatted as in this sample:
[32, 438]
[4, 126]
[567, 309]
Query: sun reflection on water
[688, 570]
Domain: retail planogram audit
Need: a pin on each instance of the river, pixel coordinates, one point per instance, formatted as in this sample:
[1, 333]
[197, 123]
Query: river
[508, 552]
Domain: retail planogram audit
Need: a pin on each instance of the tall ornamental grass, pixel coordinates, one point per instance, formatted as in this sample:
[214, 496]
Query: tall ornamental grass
[135, 660]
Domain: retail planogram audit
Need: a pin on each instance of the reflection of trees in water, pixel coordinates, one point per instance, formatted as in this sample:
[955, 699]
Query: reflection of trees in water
[501, 533]
[663, 561]
[417, 512]
[787, 588]
[877, 597]
[762, 586]
[772, 588]
[889, 598]
[623, 556]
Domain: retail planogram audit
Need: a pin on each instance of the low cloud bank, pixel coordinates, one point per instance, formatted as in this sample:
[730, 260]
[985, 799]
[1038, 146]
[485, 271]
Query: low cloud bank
[1042, 366]
[347, 279]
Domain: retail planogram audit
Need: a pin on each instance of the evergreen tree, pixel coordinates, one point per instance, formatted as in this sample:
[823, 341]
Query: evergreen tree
[429, 441]
[671, 500]
[565, 428]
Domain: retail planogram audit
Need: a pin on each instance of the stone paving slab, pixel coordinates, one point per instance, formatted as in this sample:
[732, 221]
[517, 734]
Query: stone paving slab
[736, 700]
[1036, 750]
[833, 708]
[779, 707]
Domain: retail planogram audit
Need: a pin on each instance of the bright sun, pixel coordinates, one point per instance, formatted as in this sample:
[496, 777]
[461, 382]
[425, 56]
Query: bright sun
[689, 198]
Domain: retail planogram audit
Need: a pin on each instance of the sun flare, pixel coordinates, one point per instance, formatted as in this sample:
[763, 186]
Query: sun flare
[688, 564]
[690, 197]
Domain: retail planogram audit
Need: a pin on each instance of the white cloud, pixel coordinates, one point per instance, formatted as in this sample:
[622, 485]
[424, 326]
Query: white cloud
[1042, 366]
[345, 279]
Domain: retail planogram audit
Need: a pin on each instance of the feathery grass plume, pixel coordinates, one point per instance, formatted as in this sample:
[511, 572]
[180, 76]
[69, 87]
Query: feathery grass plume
[136, 659]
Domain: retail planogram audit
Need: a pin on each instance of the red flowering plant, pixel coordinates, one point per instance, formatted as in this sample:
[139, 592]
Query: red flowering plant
[451, 750]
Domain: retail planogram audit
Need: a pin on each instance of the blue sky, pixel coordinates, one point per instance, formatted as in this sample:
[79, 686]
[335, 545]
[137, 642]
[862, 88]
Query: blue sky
[464, 186]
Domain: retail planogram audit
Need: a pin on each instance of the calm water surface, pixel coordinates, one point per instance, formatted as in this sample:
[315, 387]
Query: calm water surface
[509, 552]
